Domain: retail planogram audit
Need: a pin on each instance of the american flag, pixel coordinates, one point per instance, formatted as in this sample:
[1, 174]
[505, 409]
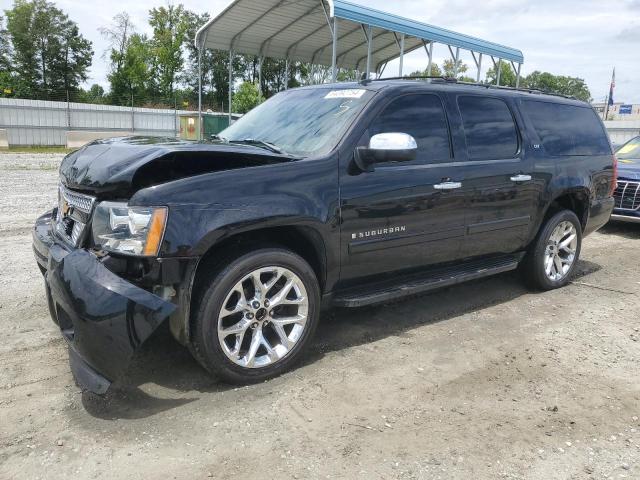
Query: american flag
[613, 85]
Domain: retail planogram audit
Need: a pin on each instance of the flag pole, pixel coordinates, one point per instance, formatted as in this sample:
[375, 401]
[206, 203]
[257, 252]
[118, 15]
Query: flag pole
[610, 96]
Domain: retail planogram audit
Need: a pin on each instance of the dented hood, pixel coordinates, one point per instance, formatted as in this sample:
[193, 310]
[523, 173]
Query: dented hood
[119, 167]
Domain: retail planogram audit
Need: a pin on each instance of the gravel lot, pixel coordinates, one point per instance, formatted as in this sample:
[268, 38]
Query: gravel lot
[485, 381]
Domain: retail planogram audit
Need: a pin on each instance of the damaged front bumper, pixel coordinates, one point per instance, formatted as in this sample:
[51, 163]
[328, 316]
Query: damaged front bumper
[103, 317]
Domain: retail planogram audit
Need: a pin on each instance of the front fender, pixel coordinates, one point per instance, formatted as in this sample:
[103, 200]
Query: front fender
[204, 210]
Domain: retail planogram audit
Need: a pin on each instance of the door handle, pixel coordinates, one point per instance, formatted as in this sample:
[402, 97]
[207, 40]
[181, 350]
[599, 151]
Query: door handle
[447, 185]
[521, 178]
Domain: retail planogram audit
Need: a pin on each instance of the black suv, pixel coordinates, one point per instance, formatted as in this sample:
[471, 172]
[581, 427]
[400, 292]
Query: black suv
[334, 195]
[627, 195]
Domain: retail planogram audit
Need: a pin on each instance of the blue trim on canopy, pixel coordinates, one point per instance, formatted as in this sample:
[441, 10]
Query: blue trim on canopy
[395, 23]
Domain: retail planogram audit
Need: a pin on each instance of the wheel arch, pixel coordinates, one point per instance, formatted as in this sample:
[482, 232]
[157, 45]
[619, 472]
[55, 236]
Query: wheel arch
[575, 200]
[305, 241]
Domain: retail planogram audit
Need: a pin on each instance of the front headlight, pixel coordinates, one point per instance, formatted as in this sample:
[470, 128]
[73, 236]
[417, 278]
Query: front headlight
[129, 230]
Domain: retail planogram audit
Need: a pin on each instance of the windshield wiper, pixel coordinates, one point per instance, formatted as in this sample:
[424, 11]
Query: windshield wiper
[260, 143]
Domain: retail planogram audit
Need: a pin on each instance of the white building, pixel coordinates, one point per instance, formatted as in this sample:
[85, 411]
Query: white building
[619, 110]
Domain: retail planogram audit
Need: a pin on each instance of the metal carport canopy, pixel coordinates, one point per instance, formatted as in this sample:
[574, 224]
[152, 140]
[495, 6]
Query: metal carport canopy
[304, 30]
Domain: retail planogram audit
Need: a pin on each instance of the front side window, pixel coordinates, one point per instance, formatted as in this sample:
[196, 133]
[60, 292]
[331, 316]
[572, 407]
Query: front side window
[421, 116]
[489, 128]
[304, 122]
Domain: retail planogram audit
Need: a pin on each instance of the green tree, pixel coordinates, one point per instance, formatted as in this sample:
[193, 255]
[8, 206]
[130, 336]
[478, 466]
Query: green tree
[308, 74]
[435, 72]
[70, 67]
[95, 94]
[48, 52]
[545, 81]
[5, 47]
[246, 98]
[10, 84]
[215, 68]
[169, 28]
[117, 35]
[131, 82]
[274, 74]
[507, 75]
[449, 71]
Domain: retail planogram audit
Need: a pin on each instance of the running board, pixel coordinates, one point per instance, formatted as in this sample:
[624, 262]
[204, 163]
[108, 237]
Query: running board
[419, 283]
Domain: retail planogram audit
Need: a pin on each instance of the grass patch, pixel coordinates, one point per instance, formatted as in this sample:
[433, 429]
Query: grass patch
[19, 149]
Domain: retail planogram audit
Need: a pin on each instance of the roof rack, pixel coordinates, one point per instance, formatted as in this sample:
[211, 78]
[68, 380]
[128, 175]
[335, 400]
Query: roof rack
[519, 89]
[412, 77]
[452, 80]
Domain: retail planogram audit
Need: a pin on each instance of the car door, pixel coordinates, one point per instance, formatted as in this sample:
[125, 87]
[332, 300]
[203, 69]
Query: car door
[503, 194]
[402, 215]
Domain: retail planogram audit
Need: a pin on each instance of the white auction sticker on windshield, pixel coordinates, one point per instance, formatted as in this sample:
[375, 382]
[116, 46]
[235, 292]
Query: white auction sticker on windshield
[347, 93]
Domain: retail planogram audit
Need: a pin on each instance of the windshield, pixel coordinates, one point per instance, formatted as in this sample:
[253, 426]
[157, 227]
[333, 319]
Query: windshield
[305, 122]
[630, 150]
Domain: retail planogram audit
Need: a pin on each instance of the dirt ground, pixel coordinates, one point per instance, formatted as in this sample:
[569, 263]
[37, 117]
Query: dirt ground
[483, 381]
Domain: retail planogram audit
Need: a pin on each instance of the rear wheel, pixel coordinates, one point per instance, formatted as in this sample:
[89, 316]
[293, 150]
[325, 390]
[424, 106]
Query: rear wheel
[256, 316]
[554, 254]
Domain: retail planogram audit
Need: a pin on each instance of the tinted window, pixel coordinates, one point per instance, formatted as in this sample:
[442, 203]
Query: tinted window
[630, 150]
[567, 129]
[304, 122]
[422, 117]
[488, 127]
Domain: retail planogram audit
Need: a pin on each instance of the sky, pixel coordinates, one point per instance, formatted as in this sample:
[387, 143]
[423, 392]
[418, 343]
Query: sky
[581, 38]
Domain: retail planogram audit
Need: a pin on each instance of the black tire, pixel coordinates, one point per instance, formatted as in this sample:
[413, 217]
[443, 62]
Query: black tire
[205, 345]
[533, 265]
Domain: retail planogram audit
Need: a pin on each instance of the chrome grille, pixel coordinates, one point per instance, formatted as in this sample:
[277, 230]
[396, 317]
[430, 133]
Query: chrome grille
[74, 212]
[627, 195]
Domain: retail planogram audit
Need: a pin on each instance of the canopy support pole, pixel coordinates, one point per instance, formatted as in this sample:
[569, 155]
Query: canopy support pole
[384, 67]
[455, 58]
[369, 49]
[499, 72]
[260, 60]
[286, 74]
[200, 133]
[230, 82]
[430, 54]
[516, 70]
[401, 55]
[334, 65]
[478, 62]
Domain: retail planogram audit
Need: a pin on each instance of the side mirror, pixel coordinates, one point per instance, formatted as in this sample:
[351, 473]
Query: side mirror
[386, 147]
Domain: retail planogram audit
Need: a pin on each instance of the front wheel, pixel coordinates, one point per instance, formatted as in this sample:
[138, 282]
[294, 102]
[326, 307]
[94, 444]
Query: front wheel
[257, 315]
[554, 254]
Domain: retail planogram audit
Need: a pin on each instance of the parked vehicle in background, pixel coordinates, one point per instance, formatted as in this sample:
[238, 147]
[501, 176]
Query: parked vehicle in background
[345, 194]
[627, 194]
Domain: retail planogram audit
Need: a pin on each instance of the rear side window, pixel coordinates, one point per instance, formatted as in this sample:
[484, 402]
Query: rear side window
[489, 128]
[421, 116]
[566, 130]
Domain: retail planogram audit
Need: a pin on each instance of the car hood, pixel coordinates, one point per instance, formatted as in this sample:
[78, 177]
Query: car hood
[117, 168]
[629, 169]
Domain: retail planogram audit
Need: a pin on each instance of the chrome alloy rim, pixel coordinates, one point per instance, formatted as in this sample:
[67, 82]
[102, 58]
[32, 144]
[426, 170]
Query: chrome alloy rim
[263, 317]
[561, 251]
